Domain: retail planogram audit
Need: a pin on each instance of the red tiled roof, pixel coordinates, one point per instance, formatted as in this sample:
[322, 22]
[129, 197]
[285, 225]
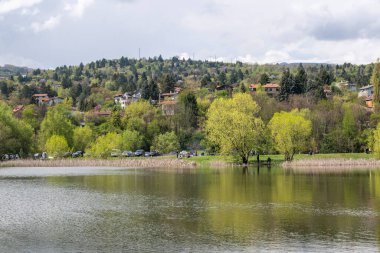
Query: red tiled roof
[18, 108]
[169, 94]
[272, 85]
[268, 85]
[168, 102]
[40, 95]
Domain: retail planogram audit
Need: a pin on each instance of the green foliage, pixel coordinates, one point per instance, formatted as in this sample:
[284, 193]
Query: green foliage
[82, 137]
[376, 144]
[165, 143]
[15, 135]
[103, 145]
[131, 140]
[375, 80]
[232, 125]
[56, 146]
[56, 122]
[264, 79]
[291, 132]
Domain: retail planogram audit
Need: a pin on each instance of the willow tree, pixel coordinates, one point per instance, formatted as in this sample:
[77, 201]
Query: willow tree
[291, 132]
[234, 126]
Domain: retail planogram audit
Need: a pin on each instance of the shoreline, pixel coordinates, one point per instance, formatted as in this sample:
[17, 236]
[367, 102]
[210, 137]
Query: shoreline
[126, 163]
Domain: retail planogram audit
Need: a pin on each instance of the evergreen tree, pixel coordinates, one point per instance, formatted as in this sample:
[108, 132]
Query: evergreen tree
[300, 81]
[264, 79]
[285, 85]
[153, 89]
[168, 82]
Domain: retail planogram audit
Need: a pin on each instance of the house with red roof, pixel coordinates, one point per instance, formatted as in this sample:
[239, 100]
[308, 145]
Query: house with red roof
[271, 89]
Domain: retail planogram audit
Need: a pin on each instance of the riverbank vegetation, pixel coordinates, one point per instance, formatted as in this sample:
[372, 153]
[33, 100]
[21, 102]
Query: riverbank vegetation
[172, 105]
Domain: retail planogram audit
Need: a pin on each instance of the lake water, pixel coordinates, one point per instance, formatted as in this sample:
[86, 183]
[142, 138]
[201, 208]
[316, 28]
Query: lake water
[203, 210]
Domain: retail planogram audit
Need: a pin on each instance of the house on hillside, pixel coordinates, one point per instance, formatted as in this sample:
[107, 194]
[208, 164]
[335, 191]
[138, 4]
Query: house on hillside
[40, 99]
[345, 85]
[43, 99]
[168, 108]
[369, 101]
[170, 96]
[271, 89]
[366, 91]
[17, 111]
[125, 99]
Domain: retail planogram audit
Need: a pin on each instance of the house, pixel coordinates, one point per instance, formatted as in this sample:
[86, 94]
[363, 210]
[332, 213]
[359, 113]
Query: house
[17, 111]
[271, 89]
[327, 90]
[369, 101]
[345, 85]
[125, 99]
[366, 91]
[43, 99]
[168, 108]
[170, 96]
[40, 99]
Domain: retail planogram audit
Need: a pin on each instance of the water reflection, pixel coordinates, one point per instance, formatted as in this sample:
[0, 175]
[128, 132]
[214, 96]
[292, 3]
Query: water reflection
[237, 209]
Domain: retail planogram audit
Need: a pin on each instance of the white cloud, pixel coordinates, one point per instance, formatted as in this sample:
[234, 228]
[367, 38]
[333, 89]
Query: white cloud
[7, 6]
[48, 24]
[30, 12]
[77, 9]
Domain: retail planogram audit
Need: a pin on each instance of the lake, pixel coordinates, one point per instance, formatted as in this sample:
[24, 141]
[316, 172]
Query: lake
[198, 210]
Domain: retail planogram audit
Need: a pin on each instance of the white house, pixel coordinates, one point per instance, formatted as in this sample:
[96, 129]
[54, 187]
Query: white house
[366, 91]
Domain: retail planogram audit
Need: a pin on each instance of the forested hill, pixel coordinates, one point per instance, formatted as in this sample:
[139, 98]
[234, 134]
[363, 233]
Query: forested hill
[9, 70]
[92, 83]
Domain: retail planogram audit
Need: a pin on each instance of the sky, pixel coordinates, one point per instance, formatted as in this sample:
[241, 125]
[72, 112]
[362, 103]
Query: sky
[51, 33]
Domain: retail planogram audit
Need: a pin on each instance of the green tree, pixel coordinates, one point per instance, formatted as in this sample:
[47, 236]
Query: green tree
[300, 81]
[349, 129]
[291, 132]
[131, 140]
[56, 146]
[232, 124]
[188, 110]
[82, 137]
[15, 135]
[165, 143]
[56, 122]
[104, 144]
[375, 81]
[286, 84]
[264, 79]
[376, 145]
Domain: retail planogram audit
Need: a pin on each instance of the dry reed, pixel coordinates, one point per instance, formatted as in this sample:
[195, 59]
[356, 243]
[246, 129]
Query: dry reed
[331, 165]
[127, 163]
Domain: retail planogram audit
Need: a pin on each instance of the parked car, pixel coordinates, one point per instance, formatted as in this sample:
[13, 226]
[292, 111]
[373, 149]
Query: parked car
[147, 154]
[78, 153]
[115, 152]
[139, 152]
[67, 154]
[9, 157]
[154, 153]
[184, 154]
[127, 153]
